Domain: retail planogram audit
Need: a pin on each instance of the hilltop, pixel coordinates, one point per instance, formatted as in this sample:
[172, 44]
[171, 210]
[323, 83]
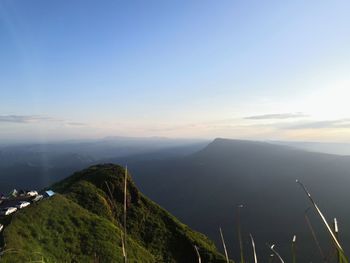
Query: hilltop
[82, 223]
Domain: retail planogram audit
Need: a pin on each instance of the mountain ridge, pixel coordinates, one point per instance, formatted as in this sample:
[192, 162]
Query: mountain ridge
[82, 200]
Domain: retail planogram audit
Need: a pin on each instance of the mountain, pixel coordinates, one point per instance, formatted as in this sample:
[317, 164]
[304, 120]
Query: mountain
[83, 223]
[322, 147]
[205, 188]
[37, 165]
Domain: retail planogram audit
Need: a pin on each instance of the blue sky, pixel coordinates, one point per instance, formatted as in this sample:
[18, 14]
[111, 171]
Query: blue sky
[238, 69]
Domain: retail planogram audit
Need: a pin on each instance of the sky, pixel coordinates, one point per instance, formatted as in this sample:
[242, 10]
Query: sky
[265, 70]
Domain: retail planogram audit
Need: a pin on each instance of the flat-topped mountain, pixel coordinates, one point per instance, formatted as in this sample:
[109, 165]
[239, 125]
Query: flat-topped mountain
[205, 188]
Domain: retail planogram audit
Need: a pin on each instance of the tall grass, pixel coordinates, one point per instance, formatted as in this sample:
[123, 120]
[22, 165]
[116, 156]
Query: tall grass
[111, 199]
[224, 245]
[342, 257]
[239, 232]
[272, 247]
[294, 240]
[197, 253]
[125, 211]
[114, 207]
[123, 246]
[308, 222]
[336, 233]
[253, 246]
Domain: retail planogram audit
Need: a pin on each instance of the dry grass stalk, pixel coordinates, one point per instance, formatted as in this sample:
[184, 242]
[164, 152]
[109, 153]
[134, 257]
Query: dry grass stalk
[111, 199]
[253, 246]
[294, 240]
[114, 206]
[336, 233]
[239, 232]
[314, 235]
[198, 255]
[123, 246]
[224, 245]
[125, 211]
[272, 247]
[343, 258]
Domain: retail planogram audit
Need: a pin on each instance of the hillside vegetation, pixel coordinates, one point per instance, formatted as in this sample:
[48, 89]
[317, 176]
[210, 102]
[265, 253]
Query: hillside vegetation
[82, 223]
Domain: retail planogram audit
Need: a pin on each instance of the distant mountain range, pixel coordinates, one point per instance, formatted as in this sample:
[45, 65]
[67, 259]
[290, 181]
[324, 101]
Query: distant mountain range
[202, 184]
[322, 147]
[39, 165]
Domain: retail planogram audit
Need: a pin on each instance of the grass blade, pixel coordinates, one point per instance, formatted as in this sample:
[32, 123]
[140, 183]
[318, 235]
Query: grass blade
[253, 246]
[294, 240]
[334, 238]
[114, 207]
[125, 210]
[123, 246]
[224, 245]
[314, 235]
[198, 255]
[272, 247]
[239, 232]
[336, 233]
[111, 199]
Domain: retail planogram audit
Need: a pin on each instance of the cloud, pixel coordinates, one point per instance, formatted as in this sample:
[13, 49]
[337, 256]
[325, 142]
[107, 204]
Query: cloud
[76, 124]
[24, 118]
[341, 123]
[30, 119]
[278, 116]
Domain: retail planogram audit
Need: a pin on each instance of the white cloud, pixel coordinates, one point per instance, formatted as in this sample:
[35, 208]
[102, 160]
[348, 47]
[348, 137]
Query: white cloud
[277, 116]
[25, 118]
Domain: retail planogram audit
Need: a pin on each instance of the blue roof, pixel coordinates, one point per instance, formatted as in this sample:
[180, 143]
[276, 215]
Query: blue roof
[50, 193]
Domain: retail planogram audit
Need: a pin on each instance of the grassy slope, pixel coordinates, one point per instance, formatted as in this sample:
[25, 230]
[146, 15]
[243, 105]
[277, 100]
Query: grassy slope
[59, 230]
[82, 222]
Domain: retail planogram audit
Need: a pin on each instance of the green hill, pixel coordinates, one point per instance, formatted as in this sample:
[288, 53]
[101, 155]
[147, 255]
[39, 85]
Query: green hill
[83, 223]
